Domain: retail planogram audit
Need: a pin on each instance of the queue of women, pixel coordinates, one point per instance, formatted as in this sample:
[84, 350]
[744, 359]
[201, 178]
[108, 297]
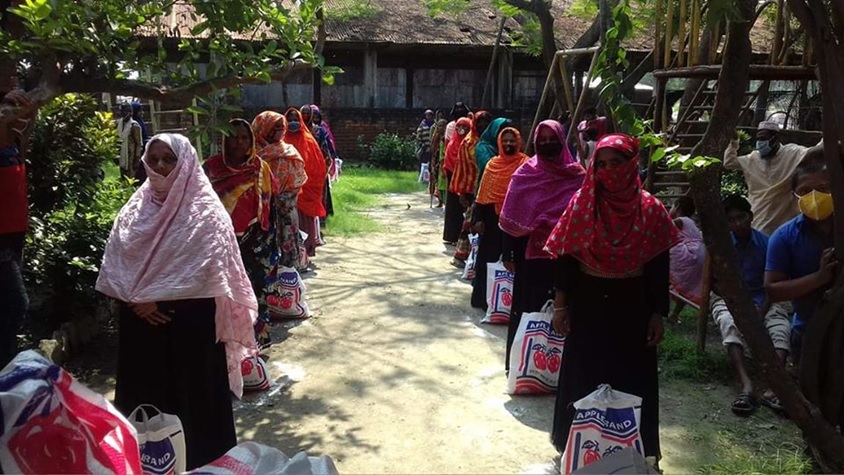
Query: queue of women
[590, 239]
[193, 257]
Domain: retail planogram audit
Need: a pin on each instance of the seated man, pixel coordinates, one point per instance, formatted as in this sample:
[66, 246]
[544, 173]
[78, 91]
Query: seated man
[800, 262]
[751, 246]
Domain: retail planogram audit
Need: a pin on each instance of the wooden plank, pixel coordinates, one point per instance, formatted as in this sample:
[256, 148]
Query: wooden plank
[757, 71]
[669, 33]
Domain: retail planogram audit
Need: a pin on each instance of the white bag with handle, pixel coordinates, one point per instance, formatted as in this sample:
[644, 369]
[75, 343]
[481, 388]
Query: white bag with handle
[499, 294]
[161, 440]
[536, 355]
[605, 422]
[469, 268]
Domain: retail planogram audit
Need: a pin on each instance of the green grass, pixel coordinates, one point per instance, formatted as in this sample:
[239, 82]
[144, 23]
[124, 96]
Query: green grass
[679, 358]
[358, 190]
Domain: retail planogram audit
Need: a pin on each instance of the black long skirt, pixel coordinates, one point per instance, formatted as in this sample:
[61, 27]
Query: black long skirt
[608, 344]
[453, 222]
[489, 250]
[533, 286]
[327, 201]
[179, 368]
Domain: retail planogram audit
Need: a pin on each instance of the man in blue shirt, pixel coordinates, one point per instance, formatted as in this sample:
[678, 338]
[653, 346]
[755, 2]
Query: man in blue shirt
[800, 261]
[751, 246]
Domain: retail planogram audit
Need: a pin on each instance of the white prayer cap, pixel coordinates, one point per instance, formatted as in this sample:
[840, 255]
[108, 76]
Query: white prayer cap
[768, 125]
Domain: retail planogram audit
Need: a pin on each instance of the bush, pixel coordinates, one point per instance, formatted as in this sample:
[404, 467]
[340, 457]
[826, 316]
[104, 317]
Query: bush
[389, 151]
[73, 205]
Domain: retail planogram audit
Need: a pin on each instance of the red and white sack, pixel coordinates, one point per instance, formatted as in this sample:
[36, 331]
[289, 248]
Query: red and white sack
[469, 268]
[424, 173]
[255, 377]
[605, 422]
[53, 424]
[286, 296]
[250, 458]
[536, 355]
[499, 294]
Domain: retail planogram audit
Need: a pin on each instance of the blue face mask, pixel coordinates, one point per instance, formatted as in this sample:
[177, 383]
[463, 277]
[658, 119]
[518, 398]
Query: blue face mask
[764, 148]
[294, 126]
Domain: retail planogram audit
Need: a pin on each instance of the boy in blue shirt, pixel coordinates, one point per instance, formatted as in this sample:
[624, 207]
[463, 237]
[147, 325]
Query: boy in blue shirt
[800, 261]
[752, 247]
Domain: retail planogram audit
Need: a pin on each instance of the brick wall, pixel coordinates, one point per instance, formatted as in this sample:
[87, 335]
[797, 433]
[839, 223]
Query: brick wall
[349, 124]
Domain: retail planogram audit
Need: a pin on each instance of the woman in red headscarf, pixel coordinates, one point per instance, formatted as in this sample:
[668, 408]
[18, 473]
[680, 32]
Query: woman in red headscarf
[613, 240]
[464, 182]
[310, 204]
[453, 208]
[491, 193]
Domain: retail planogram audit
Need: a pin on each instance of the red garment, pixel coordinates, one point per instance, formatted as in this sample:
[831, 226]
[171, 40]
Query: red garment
[465, 179]
[15, 216]
[310, 198]
[611, 225]
[452, 149]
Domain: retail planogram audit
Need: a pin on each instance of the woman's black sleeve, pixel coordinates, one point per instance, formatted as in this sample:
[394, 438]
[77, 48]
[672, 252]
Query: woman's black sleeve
[656, 276]
[483, 213]
[565, 273]
[513, 248]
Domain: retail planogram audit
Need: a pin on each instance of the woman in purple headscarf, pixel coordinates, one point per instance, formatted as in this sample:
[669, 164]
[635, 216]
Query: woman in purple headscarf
[538, 194]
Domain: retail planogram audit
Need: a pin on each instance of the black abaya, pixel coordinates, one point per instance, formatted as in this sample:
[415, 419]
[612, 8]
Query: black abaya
[533, 285]
[453, 222]
[179, 368]
[608, 342]
[489, 250]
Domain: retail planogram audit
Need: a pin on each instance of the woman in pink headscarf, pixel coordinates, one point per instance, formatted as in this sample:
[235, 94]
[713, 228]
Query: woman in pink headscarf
[538, 194]
[187, 306]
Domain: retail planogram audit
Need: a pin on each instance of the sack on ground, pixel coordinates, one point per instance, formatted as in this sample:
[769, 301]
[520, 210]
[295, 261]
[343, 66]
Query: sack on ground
[255, 377]
[250, 458]
[627, 462]
[286, 295]
[53, 424]
[605, 422]
[536, 355]
[161, 440]
[424, 173]
[469, 268]
[499, 294]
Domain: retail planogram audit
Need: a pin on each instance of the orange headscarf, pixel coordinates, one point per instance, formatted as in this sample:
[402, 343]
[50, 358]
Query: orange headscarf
[285, 161]
[452, 149]
[310, 199]
[465, 177]
[499, 171]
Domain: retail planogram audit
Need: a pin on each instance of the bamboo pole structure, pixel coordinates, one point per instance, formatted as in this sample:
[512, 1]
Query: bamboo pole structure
[657, 35]
[581, 103]
[681, 33]
[669, 31]
[485, 99]
[694, 54]
[548, 81]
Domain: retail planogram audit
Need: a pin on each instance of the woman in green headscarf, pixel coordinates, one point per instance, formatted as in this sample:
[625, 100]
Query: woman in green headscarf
[487, 147]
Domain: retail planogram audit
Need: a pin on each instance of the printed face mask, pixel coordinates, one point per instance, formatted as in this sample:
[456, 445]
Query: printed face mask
[816, 206]
[549, 151]
[294, 126]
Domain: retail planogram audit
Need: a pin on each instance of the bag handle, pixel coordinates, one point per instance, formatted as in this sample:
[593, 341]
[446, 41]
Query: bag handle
[548, 307]
[133, 417]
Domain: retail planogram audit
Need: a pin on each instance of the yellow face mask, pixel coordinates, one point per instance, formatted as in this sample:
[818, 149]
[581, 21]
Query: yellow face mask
[815, 205]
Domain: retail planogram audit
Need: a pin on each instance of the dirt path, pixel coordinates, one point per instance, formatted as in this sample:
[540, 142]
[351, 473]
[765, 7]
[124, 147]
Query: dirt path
[393, 373]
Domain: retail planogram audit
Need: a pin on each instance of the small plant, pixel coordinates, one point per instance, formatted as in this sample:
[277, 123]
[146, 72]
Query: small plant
[390, 151]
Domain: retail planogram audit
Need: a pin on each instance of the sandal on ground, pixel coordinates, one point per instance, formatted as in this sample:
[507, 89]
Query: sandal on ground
[744, 405]
[772, 401]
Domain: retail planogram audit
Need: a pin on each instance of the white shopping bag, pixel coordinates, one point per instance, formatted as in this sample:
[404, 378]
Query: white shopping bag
[161, 439]
[53, 424]
[499, 294]
[250, 458]
[536, 355]
[605, 422]
[424, 173]
[469, 268]
[254, 372]
[286, 295]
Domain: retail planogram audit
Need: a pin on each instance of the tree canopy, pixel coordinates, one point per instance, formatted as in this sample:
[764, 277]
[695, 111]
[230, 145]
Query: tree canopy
[61, 46]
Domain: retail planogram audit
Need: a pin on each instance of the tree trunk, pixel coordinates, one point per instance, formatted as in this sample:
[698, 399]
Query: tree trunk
[705, 187]
[821, 373]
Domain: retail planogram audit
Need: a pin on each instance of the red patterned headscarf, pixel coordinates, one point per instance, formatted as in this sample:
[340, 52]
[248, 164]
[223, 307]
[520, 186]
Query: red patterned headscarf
[611, 225]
